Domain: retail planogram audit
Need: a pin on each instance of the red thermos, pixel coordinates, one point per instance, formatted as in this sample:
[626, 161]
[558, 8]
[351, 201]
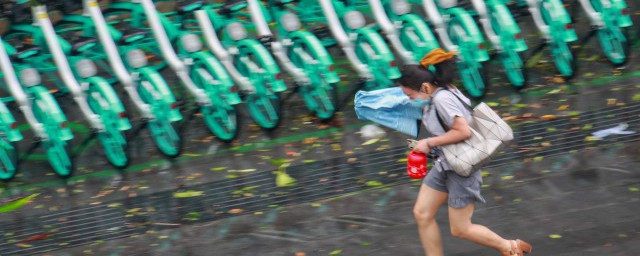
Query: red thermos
[417, 165]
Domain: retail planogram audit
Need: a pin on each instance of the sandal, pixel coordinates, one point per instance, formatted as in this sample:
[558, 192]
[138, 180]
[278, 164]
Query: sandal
[518, 248]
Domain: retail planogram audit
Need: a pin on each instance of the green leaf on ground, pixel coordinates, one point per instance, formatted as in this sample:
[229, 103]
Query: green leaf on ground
[555, 236]
[336, 252]
[186, 194]
[369, 142]
[284, 180]
[373, 183]
[17, 204]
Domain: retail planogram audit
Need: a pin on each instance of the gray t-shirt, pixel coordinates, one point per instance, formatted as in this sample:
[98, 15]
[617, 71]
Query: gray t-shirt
[449, 106]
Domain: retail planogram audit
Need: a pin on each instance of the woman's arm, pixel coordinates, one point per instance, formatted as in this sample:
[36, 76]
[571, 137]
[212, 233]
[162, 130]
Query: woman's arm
[459, 131]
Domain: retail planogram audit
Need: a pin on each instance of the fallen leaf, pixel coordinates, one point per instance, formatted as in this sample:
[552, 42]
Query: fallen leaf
[508, 177]
[17, 204]
[548, 117]
[563, 107]
[373, 183]
[611, 102]
[336, 252]
[555, 236]
[371, 141]
[284, 180]
[300, 254]
[310, 140]
[236, 211]
[24, 245]
[36, 238]
[634, 189]
[591, 138]
[186, 194]
[291, 153]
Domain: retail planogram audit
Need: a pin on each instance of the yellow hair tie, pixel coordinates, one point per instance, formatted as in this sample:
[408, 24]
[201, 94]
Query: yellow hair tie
[436, 56]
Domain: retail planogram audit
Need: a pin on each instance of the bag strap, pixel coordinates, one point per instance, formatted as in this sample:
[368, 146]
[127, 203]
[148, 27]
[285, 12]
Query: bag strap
[431, 105]
[463, 102]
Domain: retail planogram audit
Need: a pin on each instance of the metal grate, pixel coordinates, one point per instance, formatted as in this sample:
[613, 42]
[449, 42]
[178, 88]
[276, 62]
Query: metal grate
[315, 181]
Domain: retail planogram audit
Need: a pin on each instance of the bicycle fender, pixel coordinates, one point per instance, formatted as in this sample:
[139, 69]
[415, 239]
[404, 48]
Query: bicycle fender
[422, 30]
[266, 61]
[215, 68]
[473, 32]
[469, 24]
[318, 51]
[161, 86]
[115, 105]
[508, 24]
[623, 20]
[6, 119]
[52, 110]
[262, 54]
[378, 44]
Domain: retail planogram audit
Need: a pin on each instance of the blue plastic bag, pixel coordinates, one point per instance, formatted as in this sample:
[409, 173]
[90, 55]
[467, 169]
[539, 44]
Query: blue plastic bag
[390, 108]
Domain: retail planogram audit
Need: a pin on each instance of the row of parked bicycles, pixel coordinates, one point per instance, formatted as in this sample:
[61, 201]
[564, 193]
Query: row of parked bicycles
[226, 53]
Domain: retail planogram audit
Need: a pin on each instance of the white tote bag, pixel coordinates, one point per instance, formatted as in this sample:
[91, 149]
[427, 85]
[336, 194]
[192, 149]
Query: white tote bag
[488, 133]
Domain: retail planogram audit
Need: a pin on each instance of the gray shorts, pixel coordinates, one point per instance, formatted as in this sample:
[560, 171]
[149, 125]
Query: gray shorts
[462, 190]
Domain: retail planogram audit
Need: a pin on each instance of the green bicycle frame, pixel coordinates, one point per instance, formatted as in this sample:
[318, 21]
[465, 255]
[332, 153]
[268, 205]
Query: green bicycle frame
[458, 31]
[206, 71]
[414, 34]
[146, 87]
[254, 67]
[93, 94]
[505, 34]
[313, 67]
[611, 21]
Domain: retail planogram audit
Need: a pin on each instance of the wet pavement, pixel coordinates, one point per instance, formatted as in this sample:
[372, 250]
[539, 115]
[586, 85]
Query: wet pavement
[320, 188]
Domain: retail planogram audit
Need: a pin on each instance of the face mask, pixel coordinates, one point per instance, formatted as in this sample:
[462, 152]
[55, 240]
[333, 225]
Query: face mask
[418, 102]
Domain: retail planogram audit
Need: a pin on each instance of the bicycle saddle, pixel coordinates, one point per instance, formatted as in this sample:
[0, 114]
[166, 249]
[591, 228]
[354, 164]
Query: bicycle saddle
[266, 41]
[283, 2]
[20, 13]
[185, 6]
[231, 6]
[25, 51]
[67, 6]
[132, 34]
[82, 43]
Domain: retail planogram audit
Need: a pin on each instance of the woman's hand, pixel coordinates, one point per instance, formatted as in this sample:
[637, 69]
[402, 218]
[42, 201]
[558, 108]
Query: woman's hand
[422, 146]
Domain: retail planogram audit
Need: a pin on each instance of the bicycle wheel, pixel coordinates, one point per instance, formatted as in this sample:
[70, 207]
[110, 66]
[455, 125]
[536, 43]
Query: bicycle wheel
[115, 147]
[514, 68]
[162, 131]
[318, 96]
[472, 74]
[615, 44]
[166, 138]
[564, 59]
[221, 118]
[474, 79]
[8, 159]
[265, 109]
[59, 154]
[263, 105]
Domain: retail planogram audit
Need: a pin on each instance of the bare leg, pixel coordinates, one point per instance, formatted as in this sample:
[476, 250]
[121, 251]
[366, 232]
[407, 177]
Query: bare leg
[461, 226]
[427, 205]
